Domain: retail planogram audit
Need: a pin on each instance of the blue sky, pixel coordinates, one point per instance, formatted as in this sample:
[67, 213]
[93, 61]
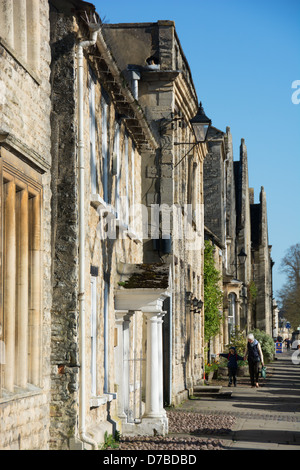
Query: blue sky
[244, 56]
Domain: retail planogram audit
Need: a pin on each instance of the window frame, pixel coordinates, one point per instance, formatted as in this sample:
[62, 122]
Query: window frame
[26, 180]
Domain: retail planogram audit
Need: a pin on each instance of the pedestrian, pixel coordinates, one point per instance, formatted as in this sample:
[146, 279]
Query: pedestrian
[232, 364]
[255, 356]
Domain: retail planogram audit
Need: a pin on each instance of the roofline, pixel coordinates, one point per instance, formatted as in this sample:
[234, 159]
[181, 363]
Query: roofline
[160, 23]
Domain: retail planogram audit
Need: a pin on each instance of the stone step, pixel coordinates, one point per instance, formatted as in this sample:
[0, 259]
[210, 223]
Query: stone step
[207, 388]
[211, 392]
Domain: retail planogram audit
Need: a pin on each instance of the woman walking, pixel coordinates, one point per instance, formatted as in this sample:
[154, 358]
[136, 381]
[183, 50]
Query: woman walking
[255, 356]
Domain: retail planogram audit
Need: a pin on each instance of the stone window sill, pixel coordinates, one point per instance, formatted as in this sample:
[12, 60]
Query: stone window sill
[95, 402]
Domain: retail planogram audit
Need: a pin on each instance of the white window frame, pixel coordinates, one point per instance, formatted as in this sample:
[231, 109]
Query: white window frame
[117, 167]
[105, 150]
[92, 108]
[94, 336]
[126, 198]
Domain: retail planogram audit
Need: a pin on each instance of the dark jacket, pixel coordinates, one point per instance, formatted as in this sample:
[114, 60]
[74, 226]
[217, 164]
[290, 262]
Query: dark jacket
[232, 360]
[253, 352]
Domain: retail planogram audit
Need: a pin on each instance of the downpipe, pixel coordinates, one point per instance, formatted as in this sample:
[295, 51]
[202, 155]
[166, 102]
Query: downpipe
[94, 28]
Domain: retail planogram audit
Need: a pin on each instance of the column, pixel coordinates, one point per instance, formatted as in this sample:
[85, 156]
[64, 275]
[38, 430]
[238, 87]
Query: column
[192, 345]
[122, 363]
[22, 289]
[154, 360]
[9, 284]
[160, 364]
[153, 409]
[126, 363]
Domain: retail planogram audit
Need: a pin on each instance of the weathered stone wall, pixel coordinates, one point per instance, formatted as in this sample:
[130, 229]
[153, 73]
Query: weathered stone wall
[25, 93]
[25, 117]
[213, 181]
[262, 266]
[64, 326]
[230, 204]
[243, 229]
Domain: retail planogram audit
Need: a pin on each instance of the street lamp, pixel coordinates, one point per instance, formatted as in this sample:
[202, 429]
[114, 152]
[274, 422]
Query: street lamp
[242, 256]
[239, 260]
[200, 124]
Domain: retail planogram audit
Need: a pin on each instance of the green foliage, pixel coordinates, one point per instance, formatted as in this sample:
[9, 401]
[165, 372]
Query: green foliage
[267, 344]
[238, 340]
[242, 363]
[252, 291]
[213, 296]
[211, 367]
[110, 441]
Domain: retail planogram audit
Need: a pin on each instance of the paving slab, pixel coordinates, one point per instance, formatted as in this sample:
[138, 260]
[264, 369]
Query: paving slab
[267, 418]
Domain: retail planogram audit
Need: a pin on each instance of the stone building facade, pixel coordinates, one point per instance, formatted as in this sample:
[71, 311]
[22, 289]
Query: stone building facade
[106, 325]
[220, 222]
[238, 227]
[25, 162]
[264, 316]
[142, 237]
[243, 234]
[102, 226]
[173, 182]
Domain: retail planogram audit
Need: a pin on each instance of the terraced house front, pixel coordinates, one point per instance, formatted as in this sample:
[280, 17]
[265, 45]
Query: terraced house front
[102, 226]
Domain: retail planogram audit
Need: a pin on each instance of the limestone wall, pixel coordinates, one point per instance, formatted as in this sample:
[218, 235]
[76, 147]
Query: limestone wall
[25, 143]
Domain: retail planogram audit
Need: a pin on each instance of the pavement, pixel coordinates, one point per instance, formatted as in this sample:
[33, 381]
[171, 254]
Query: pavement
[267, 418]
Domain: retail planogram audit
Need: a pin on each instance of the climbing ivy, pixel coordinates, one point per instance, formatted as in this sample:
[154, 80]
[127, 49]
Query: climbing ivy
[213, 296]
[252, 291]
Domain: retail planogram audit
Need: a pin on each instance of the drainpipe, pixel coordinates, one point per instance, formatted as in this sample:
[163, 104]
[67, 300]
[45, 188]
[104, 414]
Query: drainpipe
[171, 335]
[94, 28]
[136, 76]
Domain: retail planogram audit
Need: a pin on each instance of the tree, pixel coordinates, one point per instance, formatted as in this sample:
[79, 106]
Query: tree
[289, 295]
[213, 296]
